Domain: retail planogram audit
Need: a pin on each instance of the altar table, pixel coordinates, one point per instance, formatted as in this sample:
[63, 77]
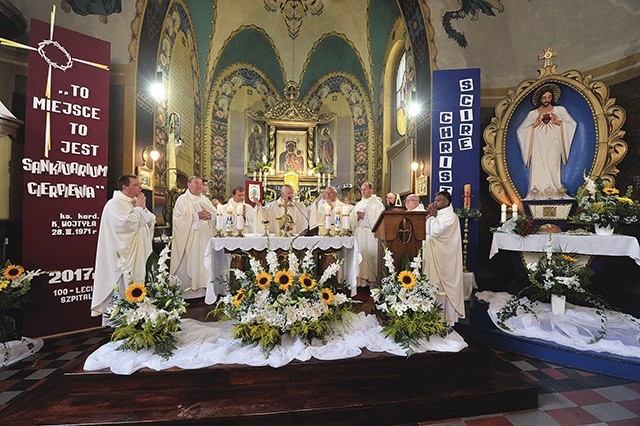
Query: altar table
[587, 244]
[217, 259]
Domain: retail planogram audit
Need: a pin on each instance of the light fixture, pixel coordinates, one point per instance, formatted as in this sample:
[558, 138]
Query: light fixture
[157, 89]
[149, 153]
[154, 154]
[414, 166]
[413, 109]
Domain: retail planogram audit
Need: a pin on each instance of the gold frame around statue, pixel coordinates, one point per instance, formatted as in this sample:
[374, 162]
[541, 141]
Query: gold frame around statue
[607, 119]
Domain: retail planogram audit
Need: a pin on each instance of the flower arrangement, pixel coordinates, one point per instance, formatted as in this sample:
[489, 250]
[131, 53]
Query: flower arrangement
[604, 206]
[285, 298]
[408, 302]
[521, 225]
[470, 212]
[559, 274]
[148, 315]
[15, 283]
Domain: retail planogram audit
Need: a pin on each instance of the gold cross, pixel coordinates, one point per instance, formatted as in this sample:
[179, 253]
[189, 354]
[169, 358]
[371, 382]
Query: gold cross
[549, 52]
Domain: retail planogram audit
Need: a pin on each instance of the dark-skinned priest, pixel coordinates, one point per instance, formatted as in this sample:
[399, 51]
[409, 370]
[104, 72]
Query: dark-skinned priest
[442, 257]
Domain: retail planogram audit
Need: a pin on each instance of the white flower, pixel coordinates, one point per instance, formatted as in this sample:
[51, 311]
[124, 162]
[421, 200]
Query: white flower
[293, 262]
[240, 275]
[388, 261]
[330, 271]
[308, 262]
[590, 185]
[339, 299]
[256, 267]
[272, 262]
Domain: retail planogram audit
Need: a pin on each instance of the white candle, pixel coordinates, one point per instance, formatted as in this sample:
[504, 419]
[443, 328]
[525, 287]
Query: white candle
[327, 216]
[345, 217]
[254, 175]
[514, 211]
[503, 213]
[265, 178]
[337, 218]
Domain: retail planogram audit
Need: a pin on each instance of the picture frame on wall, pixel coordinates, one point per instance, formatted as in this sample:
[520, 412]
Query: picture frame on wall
[145, 175]
[291, 151]
[253, 192]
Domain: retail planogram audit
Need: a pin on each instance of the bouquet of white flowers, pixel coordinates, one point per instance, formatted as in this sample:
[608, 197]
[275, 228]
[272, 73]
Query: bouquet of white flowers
[148, 316]
[285, 297]
[408, 301]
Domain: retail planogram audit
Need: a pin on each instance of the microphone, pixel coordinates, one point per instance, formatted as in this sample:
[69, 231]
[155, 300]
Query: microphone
[303, 215]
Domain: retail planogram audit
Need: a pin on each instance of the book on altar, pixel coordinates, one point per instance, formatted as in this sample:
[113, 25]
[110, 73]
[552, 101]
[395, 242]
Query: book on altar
[310, 232]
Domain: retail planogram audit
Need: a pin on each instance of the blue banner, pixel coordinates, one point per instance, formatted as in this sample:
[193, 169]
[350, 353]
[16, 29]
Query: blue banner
[456, 143]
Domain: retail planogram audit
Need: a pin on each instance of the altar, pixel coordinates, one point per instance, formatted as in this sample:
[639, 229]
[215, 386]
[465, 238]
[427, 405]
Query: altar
[584, 244]
[218, 258]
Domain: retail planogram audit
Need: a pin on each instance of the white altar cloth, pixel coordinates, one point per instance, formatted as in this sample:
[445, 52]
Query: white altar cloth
[589, 244]
[204, 344]
[574, 329]
[218, 262]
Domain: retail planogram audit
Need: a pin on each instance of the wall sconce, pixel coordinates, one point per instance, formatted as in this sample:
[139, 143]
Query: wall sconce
[150, 153]
[414, 166]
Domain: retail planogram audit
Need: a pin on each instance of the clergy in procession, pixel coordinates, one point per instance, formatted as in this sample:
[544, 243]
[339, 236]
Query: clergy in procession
[124, 243]
[363, 216]
[193, 227]
[412, 203]
[296, 211]
[247, 213]
[442, 254]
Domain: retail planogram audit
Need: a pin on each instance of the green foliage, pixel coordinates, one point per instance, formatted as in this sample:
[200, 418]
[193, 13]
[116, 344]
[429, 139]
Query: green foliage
[409, 328]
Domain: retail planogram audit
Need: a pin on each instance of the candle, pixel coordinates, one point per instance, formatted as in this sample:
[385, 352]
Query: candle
[239, 217]
[254, 175]
[266, 173]
[327, 217]
[503, 213]
[337, 217]
[467, 196]
[345, 217]
[318, 181]
[514, 211]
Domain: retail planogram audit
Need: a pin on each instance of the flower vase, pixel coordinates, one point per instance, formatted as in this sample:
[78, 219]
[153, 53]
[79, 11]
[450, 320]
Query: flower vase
[603, 230]
[558, 304]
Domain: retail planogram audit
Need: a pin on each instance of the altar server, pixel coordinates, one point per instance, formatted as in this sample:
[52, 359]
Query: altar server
[124, 243]
[442, 257]
[363, 216]
[193, 227]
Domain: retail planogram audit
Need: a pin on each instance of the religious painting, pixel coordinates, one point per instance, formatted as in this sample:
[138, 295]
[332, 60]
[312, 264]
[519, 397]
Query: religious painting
[422, 186]
[325, 147]
[256, 144]
[253, 192]
[145, 175]
[291, 151]
[549, 134]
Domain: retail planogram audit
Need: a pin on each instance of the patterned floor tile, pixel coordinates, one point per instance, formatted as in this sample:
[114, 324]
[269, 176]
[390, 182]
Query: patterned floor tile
[609, 411]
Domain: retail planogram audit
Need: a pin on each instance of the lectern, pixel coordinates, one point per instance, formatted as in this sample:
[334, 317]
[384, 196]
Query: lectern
[402, 231]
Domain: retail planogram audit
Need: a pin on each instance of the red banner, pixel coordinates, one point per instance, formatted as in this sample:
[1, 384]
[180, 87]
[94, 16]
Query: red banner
[65, 174]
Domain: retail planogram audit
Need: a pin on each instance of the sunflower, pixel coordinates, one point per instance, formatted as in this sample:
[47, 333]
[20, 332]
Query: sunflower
[263, 280]
[237, 299]
[12, 272]
[284, 279]
[135, 293]
[569, 258]
[3, 284]
[326, 295]
[307, 282]
[407, 279]
[610, 191]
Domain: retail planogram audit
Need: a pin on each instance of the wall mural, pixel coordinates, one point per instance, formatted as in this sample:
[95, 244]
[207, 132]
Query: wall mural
[223, 91]
[350, 88]
[294, 12]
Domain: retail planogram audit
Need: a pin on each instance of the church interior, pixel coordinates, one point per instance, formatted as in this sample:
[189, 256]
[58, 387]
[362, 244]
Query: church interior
[311, 93]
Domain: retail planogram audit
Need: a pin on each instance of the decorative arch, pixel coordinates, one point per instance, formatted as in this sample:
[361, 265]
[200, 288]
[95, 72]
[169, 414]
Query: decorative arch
[177, 21]
[233, 53]
[350, 87]
[223, 89]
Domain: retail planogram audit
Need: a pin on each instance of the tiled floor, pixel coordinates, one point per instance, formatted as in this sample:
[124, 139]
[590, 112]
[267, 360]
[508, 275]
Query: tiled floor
[566, 396]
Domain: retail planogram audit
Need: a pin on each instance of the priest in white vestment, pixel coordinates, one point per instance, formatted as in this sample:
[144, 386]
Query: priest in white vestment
[124, 244]
[545, 138]
[412, 203]
[236, 204]
[325, 212]
[442, 254]
[363, 216]
[276, 209]
[193, 227]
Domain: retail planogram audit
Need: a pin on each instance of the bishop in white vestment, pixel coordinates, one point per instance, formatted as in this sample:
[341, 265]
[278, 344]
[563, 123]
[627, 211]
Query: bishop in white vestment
[193, 227]
[442, 254]
[295, 209]
[124, 243]
[363, 216]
